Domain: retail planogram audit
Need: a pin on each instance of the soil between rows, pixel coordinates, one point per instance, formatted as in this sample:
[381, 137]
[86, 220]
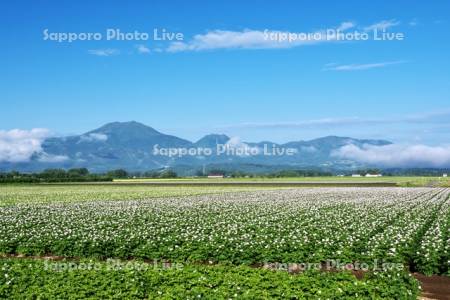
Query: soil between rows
[434, 287]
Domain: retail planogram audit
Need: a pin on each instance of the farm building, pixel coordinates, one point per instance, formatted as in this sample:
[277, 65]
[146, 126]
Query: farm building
[215, 176]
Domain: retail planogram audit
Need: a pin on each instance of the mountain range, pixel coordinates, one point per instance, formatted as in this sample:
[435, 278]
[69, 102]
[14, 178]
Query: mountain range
[131, 146]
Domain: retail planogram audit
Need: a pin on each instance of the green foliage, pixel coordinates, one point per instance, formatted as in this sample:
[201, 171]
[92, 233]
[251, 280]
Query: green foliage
[119, 173]
[69, 193]
[303, 225]
[32, 279]
[80, 172]
[53, 175]
[409, 227]
[168, 174]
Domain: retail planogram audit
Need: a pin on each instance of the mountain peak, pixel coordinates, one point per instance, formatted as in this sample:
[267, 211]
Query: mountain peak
[126, 127]
[128, 134]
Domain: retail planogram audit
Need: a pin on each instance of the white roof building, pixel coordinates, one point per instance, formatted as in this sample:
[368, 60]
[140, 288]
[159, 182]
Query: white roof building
[215, 176]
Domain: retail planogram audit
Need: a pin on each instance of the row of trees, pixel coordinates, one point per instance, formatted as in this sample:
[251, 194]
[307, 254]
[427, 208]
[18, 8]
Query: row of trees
[77, 175]
[53, 175]
[120, 173]
[83, 174]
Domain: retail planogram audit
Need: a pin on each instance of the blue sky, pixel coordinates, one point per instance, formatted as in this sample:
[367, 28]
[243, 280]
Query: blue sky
[222, 77]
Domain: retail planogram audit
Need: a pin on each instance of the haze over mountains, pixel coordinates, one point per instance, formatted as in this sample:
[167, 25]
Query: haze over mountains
[130, 146]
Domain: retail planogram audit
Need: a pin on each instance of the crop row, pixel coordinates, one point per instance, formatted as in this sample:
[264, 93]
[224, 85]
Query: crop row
[292, 226]
[38, 279]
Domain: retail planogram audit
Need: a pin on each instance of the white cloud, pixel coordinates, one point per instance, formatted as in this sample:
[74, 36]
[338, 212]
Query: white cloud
[142, 49]
[19, 145]
[270, 39]
[397, 155]
[222, 39]
[383, 25]
[359, 67]
[236, 144]
[104, 52]
[256, 39]
[93, 137]
[346, 25]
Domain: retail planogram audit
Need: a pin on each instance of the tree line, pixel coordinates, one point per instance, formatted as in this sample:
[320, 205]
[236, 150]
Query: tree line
[54, 175]
[77, 175]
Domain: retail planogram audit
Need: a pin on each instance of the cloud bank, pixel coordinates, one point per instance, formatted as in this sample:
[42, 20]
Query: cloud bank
[397, 155]
[19, 145]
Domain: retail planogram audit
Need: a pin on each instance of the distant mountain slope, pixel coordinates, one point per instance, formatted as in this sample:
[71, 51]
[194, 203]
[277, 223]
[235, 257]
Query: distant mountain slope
[129, 145]
[211, 140]
[136, 135]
